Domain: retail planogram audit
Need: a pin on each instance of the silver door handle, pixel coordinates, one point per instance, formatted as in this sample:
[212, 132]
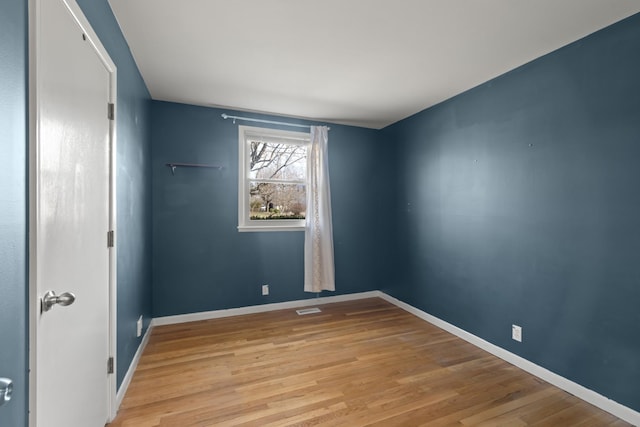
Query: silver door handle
[50, 299]
[6, 387]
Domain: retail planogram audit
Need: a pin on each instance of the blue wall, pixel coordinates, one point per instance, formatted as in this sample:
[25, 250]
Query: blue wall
[200, 260]
[13, 207]
[133, 234]
[519, 203]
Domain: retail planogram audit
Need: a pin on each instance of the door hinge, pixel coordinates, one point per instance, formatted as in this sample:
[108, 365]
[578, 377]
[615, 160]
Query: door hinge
[110, 238]
[111, 111]
[110, 365]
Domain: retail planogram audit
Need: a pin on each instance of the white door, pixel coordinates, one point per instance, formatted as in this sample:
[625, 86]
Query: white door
[71, 221]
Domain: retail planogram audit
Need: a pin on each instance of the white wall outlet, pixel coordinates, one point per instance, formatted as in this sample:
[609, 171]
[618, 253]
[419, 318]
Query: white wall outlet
[139, 327]
[265, 289]
[516, 333]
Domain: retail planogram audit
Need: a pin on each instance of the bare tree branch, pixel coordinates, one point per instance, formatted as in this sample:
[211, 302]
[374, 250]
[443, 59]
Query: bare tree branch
[265, 155]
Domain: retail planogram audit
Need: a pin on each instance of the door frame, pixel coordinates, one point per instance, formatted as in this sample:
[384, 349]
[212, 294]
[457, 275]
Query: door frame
[33, 174]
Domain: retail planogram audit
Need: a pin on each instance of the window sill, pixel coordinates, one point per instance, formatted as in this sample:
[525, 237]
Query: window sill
[253, 228]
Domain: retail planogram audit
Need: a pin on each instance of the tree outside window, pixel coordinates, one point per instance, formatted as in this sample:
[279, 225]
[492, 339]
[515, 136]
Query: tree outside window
[277, 180]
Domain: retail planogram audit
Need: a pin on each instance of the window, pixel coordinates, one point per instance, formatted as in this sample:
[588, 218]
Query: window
[272, 179]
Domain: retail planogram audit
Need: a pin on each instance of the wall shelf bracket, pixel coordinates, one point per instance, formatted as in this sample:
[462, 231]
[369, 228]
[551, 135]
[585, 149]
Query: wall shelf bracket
[174, 165]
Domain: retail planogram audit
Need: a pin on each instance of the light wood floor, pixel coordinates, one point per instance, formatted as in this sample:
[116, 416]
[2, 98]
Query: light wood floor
[357, 363]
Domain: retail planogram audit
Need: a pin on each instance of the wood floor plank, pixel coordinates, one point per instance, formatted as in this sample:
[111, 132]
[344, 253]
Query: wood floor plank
[357, 363]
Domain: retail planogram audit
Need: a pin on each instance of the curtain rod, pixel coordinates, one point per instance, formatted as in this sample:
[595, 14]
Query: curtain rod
[271, 122]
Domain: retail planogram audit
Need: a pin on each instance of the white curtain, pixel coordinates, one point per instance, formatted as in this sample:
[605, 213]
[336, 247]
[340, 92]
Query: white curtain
[319, 270]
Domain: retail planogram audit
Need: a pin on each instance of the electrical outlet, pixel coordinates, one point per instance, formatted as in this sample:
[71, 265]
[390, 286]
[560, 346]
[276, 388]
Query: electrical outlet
[516, 333]
[265, 289]
[139, 327]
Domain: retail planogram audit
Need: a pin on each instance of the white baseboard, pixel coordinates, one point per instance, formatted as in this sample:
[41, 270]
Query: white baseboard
[132, 368]
[589, 396]
[216, 314]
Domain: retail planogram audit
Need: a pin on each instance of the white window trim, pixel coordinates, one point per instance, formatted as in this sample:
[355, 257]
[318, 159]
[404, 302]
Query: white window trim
[244, 222]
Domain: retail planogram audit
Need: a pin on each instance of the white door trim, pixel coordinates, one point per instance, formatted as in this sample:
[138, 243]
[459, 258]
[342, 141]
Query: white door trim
[34, 305]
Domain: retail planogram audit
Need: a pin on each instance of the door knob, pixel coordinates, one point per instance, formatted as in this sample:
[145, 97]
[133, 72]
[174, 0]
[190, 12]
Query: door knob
[6, 387]
[50, 299]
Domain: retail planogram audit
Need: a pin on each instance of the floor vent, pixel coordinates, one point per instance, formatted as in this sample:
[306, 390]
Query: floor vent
[304, 311]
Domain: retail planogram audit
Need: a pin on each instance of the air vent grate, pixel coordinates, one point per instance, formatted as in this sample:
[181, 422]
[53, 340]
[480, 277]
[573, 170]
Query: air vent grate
[304, 311]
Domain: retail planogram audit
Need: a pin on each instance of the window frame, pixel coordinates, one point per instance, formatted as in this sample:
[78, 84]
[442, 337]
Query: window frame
[245, 223]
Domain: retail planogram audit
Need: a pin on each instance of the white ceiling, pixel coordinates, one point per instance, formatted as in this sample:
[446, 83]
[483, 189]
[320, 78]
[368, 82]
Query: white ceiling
[367, 63]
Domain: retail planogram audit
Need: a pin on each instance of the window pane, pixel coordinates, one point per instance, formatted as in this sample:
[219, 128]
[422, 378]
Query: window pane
[269, 160]
[277, 201]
